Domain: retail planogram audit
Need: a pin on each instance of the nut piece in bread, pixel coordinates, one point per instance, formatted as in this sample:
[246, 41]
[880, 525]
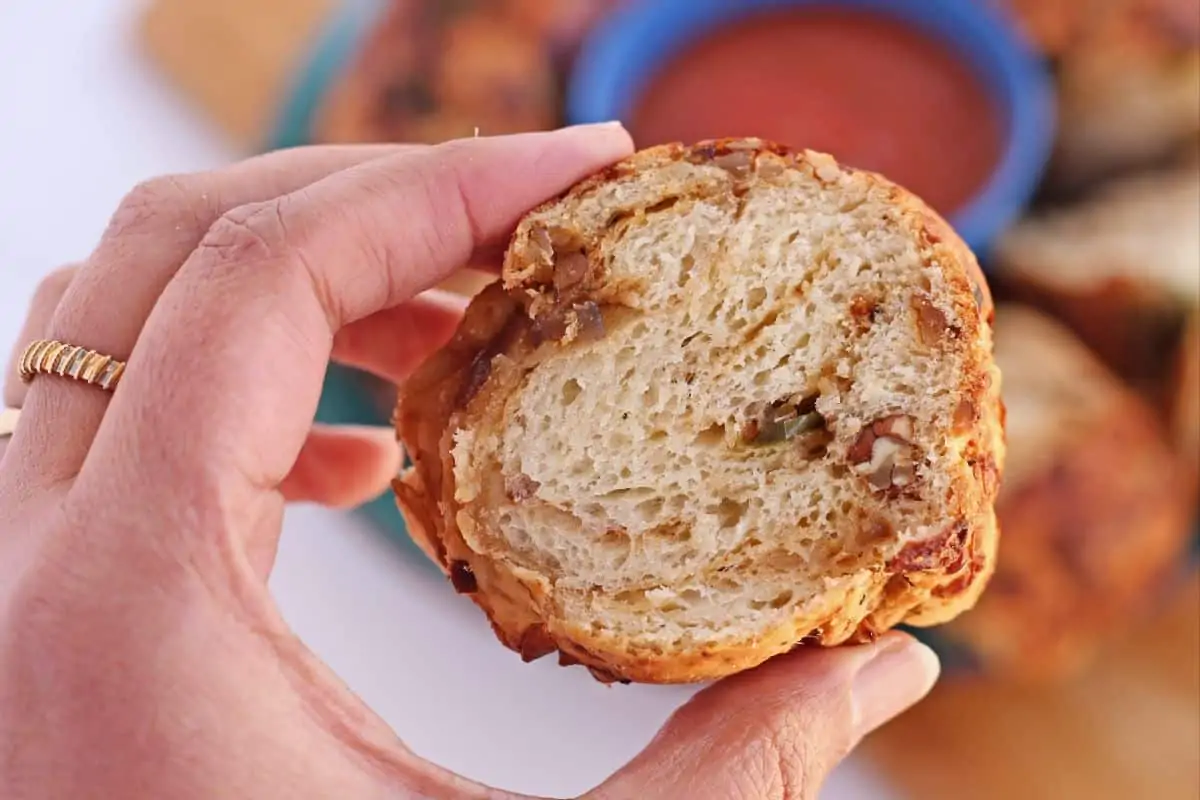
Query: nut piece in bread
[725, 399]
[1121, 268]
[1094, 519]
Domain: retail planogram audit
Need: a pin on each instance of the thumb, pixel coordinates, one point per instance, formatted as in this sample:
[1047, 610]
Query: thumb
[778, 730]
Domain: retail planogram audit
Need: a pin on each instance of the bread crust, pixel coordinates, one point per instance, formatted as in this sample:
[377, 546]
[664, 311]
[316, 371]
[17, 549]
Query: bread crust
[1095, 520]
[926, 583]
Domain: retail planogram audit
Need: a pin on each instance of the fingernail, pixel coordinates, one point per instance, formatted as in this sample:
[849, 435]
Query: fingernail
[592, 128]
[900, 673]
[612, 123]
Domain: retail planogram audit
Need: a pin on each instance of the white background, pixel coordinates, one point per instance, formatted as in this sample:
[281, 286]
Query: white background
[83, 116]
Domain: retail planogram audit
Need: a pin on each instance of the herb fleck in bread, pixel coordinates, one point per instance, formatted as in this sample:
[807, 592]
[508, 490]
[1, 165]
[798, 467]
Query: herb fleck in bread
[725, 399]
[1093, 510]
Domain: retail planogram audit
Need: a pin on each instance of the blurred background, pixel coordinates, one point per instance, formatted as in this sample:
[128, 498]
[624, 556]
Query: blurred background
[1061, 138]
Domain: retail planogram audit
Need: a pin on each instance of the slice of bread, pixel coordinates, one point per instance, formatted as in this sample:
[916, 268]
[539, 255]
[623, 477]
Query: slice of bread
[1095, 517]
[725, 399]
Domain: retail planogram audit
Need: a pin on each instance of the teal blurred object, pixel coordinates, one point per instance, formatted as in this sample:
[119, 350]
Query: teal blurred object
[329, 56]
[347, 399]
[347, 396]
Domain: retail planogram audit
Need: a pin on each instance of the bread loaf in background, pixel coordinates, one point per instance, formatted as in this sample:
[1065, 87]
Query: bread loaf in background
[1128, 83]
[725, 399]
[1094, 510]
[1121, 267]
[1185, 402]
[431, 71]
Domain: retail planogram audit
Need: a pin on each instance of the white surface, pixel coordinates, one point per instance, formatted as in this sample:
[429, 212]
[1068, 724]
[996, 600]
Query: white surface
[82, 118]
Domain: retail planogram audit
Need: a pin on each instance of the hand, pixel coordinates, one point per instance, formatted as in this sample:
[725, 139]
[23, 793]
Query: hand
[141, 654]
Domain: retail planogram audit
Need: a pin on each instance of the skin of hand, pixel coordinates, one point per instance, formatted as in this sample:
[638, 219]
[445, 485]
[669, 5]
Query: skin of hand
[142, 654]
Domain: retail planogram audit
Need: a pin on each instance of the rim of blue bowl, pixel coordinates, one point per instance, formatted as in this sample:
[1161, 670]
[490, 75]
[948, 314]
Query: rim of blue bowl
[620, 55]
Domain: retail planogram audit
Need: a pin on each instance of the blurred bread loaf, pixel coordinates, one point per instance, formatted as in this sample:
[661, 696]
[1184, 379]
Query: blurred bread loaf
[1185, 401]
[1121, 267]
[1128, 84]
[725, 399]
[433, 70]
[1094, 517]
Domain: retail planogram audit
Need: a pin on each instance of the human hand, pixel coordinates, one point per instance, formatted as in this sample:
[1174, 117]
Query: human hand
[142, 655]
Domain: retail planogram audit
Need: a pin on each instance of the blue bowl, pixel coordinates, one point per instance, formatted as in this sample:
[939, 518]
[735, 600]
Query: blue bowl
[620, 56]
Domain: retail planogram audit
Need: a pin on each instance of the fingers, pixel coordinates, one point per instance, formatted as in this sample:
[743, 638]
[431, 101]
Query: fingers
[777, 731]
[343, 466]
[391, 343]
[45, 300]
[238, 342]
[148, 238]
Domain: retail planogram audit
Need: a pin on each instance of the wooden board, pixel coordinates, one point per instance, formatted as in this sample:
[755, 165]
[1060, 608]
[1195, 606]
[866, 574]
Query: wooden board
[1127, 729]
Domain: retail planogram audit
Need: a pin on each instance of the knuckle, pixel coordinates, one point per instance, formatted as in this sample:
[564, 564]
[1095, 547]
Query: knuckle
[261, 234]
[253, 232]
[151, 202]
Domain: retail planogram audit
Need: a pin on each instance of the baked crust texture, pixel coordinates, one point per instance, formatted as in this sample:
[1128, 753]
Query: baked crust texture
[917, 552]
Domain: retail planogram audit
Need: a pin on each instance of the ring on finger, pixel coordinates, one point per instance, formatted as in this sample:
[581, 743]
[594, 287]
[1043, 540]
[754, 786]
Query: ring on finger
[49, 357]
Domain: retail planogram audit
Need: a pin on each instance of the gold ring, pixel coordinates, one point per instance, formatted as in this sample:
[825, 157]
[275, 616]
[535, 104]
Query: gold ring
[8, 421]
[47, 357]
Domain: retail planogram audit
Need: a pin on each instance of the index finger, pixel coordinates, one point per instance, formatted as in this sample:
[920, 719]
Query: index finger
[226, 375]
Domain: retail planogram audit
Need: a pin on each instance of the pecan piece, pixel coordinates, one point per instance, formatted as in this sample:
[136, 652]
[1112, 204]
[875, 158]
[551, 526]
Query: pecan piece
[966, 414]
[569, 271]
[884, 453]
[737, 163]
[550, 325]
[589, 321]
[521, 487]
[477, 375]
[931, 321]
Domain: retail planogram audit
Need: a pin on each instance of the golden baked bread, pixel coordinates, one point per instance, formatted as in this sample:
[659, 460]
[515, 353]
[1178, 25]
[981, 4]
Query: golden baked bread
[725, 399]
[1185, 401]
[1128, 75]
[433, 70]
[1095, 523]
[1121, 267]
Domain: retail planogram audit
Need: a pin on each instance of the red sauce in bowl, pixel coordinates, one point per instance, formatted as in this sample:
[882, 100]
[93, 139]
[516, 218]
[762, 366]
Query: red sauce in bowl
[874, 92]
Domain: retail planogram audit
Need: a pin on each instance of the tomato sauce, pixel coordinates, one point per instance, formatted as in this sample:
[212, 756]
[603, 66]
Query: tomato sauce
[873, 91]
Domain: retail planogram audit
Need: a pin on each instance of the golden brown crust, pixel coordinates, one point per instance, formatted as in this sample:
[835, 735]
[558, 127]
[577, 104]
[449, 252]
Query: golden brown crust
[1092, 510]
[1185, 402]
[926, 583]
